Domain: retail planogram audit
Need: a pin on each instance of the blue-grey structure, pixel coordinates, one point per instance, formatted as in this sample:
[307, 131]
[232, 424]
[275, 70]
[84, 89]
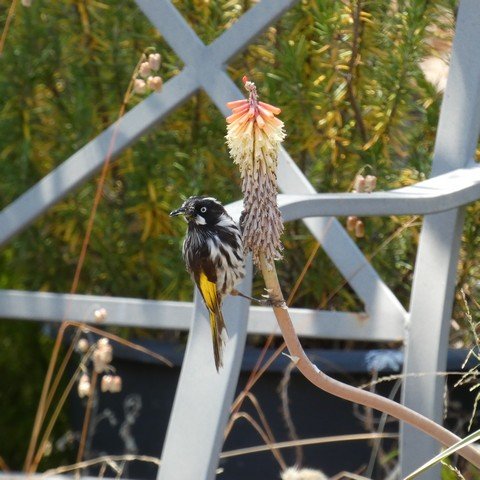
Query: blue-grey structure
[195, 434]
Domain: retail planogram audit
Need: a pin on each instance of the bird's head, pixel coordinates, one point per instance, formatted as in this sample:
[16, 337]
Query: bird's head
[202, 211]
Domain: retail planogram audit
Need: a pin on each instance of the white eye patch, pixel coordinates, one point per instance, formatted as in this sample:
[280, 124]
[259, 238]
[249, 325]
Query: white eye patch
[199, 220]
[203, 209]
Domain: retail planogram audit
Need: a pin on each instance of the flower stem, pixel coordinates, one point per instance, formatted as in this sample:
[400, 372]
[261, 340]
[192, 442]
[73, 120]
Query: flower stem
[347, 392]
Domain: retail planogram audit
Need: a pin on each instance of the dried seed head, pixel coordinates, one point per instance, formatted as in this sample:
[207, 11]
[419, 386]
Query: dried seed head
[84, 386]
[102, 356]
[83, 345]
[370, 183]
[351, 222]
[155, 83]
[139, 86]
[105, 383]
[294, 473]
[145, 69]
[154, 60]
[111, 383]
[359, 184]
[116, 384]
[100, 314]
[254, 135]
[359, 229]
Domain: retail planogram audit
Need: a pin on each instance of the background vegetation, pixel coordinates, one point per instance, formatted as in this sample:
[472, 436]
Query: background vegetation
[347, 76]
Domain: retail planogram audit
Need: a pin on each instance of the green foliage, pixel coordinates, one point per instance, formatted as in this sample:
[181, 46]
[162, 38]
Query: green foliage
[23, 362]
[345, 73]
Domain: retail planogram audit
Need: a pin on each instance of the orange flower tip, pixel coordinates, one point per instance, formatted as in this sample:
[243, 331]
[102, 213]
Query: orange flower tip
[264, 112]
[242, 109]
[244, 79]
[237, 103]
[271, 108]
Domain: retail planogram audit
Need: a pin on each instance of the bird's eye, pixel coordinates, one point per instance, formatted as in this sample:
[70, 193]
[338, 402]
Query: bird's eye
[203, 209]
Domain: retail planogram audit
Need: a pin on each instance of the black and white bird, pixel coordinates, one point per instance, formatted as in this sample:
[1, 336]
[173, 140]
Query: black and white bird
[213, 254]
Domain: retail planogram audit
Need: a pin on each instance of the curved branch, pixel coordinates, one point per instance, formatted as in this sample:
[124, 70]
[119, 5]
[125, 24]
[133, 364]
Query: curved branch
[312, 373]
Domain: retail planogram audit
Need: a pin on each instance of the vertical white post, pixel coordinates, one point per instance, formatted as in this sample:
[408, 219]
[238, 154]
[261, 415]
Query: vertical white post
[202, 401]
[436, 265]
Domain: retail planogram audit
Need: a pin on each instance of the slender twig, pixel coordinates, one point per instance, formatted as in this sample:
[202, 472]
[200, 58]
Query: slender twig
[305, 269]
[257, 372]
[3, 465]
[33, 464]
[377, 443]
[263, 419]
[47, 392]
[287, 414]
[389, 239]
[264, 436]
[108, 459]
[354, 437]
[88, 413]
[123, 341]
[312, 373]
[42, 405]
[243, 394]
[58, 407]
[352, 66]
[8, 21]
[348, 475]
[401, 376]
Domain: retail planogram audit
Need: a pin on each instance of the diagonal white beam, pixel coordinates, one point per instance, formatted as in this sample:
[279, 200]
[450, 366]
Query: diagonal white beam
[180, 36]
[208, 64]
[89, 159]
[379, 300]
[175, 29]
[208, 74]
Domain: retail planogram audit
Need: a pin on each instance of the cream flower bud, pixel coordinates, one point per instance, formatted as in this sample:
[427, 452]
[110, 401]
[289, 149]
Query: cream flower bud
[84, 386]
[370, 183]
[111, 383]
[106, 383]
[155, 83]
[154, 60]
[359, 229]
[83, 345]
[359, 184]
[27, 3]
[144, 69]
[100, 314]
[294, 473]
[102, 356]
[139, 86]
[116, 385]
[351, 222]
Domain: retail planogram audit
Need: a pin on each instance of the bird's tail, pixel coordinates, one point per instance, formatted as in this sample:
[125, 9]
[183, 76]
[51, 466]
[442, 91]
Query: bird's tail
[219, 335]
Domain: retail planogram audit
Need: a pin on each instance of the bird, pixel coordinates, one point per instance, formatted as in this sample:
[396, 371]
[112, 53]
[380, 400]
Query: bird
[214, 256]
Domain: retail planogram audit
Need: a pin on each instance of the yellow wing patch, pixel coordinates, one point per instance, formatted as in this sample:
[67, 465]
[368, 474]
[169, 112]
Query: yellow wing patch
[209, 292]
[217, 323]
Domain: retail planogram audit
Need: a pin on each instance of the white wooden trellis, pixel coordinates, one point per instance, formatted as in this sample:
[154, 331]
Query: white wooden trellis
[195, 433]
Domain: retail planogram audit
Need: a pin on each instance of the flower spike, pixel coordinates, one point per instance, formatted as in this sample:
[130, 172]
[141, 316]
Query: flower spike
[254, 135]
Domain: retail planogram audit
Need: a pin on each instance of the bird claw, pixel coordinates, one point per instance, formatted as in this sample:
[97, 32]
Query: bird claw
[265, 301]
[270, 301]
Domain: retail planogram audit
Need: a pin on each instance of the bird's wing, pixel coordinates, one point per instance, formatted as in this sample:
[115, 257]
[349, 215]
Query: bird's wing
[208, 288]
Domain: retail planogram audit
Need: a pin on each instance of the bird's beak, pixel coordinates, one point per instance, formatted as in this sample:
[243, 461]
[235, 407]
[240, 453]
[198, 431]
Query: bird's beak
[179, 211]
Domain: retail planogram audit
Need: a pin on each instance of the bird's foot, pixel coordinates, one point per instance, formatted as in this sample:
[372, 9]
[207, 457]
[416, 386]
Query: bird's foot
[270, 300]
[265, 301]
